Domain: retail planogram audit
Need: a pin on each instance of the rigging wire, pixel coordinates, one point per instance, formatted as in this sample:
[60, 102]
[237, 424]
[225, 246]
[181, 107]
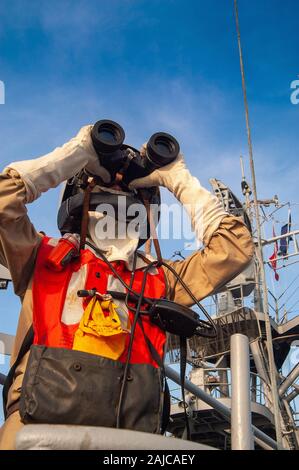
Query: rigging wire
[293, 306]
[259, 251]
[288, 299]
[286, 265]
[294, 280]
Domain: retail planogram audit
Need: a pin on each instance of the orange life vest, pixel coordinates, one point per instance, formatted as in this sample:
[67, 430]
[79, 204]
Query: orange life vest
[49, 292]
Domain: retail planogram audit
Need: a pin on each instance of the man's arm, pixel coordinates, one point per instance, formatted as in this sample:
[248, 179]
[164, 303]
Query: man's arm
[19, 240]
[23, 182]
[227, 241]
[229, 251]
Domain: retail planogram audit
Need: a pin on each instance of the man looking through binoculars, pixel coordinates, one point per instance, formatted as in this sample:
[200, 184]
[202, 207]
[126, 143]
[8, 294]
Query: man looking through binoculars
[96, 353]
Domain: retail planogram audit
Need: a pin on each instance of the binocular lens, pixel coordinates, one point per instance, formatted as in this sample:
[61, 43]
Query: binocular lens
[107, 136]
[162, 148]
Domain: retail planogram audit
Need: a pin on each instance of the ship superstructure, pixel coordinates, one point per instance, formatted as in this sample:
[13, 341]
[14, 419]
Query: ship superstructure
[238, 314]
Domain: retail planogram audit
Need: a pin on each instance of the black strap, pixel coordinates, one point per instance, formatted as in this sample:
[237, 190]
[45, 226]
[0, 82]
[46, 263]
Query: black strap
[85, 214]
[183, 364]
[27, 342]
[166, 408]
[151, 222]
[158, 360]
[151, 347]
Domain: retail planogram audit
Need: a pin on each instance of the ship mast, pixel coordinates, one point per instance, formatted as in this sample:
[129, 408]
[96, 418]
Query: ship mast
[259, 251]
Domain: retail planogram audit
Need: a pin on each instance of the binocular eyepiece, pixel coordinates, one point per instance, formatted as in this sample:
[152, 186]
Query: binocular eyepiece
[116, 157]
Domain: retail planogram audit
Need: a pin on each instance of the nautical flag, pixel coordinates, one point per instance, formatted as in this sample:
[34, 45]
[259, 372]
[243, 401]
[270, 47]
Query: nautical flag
[284, 242]
[273, 260]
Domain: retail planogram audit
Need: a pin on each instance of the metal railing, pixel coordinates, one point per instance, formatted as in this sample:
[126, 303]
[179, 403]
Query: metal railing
[260, 437]
[215, 386]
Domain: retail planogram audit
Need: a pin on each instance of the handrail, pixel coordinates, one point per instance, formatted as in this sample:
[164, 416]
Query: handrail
[257, 390]
[259, 436]
[254, 388]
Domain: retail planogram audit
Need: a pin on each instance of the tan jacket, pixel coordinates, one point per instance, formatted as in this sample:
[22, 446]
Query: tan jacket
[229, 251]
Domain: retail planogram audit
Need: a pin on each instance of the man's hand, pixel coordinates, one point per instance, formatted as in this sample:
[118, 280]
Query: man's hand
[93, 166]
[62, 163]
[167, 176]
[204, 208]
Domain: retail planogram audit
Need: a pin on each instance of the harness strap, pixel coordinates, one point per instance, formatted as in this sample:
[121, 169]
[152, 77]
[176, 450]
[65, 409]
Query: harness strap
[183, 364]
[152, 225]
[85, 216]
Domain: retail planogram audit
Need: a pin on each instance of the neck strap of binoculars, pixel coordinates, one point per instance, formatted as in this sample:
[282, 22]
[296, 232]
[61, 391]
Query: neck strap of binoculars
[85, 209]
[153, 231]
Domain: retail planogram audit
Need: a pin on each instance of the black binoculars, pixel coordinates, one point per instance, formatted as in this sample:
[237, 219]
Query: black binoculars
[116, 157]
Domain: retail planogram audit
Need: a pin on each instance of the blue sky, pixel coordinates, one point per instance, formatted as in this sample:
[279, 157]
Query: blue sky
[152, 65]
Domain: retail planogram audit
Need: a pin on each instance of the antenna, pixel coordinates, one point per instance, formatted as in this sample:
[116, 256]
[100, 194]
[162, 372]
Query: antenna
[259, 251]
[246, 191]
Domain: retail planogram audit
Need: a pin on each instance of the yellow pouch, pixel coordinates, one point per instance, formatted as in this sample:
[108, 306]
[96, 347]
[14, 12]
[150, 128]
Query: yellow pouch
[100, 334]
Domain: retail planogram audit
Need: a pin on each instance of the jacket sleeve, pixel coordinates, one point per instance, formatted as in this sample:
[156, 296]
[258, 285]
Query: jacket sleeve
[19, 241]
[229, 251]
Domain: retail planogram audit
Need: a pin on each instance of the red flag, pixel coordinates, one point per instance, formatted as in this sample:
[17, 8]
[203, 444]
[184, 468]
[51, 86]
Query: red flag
[273, 260]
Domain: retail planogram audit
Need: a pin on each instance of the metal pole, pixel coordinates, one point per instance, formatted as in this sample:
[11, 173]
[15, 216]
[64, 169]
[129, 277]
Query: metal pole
[258, 360]
[224, 390]
[253, 388]
[247, 191]
[288, 381]
[292, 396]
[241, 430]
[261, 370]
[272, 367]
[217, 405]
